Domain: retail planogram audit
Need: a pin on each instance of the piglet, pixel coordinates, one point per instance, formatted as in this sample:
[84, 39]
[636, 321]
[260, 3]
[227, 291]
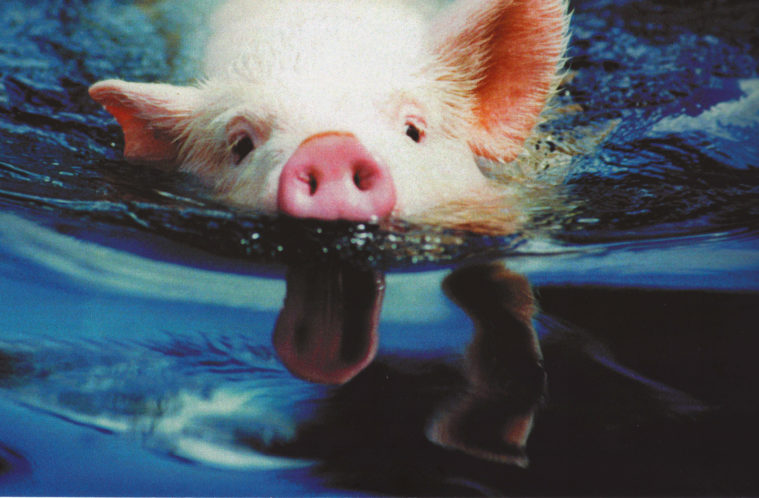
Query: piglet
[351, 109]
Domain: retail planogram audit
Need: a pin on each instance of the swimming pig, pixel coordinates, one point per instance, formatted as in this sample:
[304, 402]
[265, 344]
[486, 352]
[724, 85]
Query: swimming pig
[351, 109]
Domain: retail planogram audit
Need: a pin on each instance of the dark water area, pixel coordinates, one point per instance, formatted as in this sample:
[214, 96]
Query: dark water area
[155, 342]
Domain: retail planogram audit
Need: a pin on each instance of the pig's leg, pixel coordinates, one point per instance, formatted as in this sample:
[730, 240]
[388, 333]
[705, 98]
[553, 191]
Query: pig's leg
[506, 381]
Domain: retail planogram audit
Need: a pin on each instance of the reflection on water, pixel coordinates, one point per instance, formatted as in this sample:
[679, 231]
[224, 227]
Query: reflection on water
[327, 332]
[225, 400]
[492, 417]
[327, 329]
[174, 364]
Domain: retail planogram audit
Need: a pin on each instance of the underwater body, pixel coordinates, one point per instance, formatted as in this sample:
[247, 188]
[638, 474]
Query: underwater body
[136, 318]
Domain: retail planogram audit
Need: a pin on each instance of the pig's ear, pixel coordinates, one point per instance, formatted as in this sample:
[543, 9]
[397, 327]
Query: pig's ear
[507, 54]
[152, 115]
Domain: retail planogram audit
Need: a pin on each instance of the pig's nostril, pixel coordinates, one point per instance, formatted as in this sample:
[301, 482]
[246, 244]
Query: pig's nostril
[313, 183]
[363, 177]
[310, 178]
[358, 181]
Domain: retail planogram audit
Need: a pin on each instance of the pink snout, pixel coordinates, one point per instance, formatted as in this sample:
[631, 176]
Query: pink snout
[332, 176]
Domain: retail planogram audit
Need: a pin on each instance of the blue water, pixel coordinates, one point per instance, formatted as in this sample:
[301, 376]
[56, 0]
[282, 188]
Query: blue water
[136, 315]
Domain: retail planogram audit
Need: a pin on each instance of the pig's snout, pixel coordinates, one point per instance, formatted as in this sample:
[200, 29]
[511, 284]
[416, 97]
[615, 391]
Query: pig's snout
[332, 176]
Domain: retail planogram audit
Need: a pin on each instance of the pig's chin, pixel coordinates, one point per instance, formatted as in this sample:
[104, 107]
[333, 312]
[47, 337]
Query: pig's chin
[327, 329]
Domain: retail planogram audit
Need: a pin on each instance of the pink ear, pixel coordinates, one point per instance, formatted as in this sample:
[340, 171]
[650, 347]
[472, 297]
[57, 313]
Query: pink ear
[510, 51]
[152, 117]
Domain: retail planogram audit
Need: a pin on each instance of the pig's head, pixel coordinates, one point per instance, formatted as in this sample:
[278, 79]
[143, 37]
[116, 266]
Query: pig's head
[351, 110]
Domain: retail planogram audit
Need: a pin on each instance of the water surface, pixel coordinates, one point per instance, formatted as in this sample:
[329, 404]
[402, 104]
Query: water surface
[136, 319]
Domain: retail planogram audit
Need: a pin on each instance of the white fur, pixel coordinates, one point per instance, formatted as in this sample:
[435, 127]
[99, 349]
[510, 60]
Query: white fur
[285, 70]
[295, 68]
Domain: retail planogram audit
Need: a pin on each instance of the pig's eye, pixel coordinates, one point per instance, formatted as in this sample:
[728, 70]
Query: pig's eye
[414, 133]
[241, 147]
